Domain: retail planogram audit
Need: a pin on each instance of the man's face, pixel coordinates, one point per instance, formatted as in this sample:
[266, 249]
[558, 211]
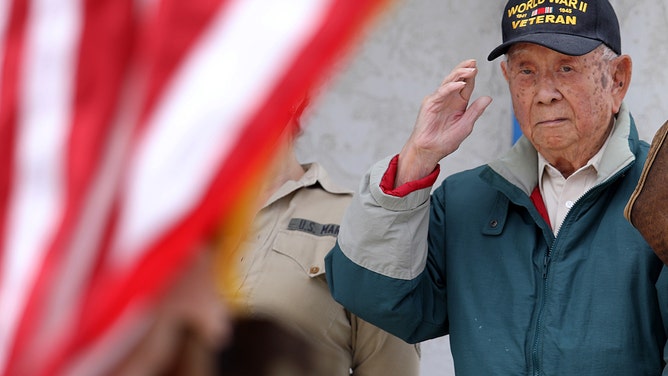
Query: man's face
[564, 104]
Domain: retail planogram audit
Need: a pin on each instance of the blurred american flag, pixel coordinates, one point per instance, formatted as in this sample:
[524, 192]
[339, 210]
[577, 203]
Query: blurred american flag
[128, 130]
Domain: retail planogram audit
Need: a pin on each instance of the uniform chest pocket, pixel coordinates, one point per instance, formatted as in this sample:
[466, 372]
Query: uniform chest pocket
[308, 251]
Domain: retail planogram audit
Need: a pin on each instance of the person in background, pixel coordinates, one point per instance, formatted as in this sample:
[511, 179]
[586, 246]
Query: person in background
[282, 271]
[526, 262]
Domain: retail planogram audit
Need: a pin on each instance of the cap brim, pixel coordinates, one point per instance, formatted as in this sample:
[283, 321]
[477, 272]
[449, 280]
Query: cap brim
[563, 43]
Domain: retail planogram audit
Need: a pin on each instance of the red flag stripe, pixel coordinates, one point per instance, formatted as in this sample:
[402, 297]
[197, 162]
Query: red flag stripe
[12, 43]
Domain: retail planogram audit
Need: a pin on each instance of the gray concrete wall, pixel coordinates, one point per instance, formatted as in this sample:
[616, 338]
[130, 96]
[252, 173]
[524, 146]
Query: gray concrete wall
[367, 110]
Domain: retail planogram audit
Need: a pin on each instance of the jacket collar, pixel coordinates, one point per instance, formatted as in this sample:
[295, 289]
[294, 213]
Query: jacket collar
[519, 165]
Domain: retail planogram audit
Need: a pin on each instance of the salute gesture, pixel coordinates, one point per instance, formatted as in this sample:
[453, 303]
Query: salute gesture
[444, 121]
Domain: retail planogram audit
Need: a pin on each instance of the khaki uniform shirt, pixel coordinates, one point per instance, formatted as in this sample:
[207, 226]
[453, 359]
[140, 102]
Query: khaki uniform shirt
[283, 276]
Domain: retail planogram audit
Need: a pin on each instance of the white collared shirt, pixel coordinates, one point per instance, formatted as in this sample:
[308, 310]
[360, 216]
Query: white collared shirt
[559, 193]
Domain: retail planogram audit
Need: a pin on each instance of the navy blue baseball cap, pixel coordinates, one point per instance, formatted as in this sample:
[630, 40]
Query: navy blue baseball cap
[571, 27]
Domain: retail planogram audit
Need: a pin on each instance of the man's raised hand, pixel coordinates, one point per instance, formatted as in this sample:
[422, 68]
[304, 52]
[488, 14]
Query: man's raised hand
[444, 121]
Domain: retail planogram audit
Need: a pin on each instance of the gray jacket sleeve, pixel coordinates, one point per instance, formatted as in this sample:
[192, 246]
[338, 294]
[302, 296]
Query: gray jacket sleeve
[376, 268]
[383, 233]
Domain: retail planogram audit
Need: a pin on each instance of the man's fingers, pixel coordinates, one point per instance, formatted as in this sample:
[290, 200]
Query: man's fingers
[467, 91]
[460, 74]
[461, 68]
[447, 89]
[461, 79]
[476, 109]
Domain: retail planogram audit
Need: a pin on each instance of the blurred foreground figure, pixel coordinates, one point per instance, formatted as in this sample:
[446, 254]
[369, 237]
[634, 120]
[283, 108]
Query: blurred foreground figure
[129, 130]
[265, 347]
[190, 325]
[647, 208]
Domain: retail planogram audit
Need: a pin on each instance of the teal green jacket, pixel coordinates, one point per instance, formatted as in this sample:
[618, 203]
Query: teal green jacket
[476, 260]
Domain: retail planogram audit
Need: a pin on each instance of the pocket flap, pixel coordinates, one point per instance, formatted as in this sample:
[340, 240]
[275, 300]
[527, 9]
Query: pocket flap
[307, 250]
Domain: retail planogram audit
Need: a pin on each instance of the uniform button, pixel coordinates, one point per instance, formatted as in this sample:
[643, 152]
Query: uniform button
[569, 204]
[493, 223]
[314, 270]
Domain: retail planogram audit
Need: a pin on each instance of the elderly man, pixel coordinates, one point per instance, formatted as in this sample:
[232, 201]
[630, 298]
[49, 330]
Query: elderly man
[527, 262]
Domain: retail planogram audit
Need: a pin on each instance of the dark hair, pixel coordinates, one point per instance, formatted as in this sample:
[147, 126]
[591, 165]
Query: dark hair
[263, 347]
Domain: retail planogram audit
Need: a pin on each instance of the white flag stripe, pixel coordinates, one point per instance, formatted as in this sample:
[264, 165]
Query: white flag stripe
[5, 8]
[225, 77]
[44, 112]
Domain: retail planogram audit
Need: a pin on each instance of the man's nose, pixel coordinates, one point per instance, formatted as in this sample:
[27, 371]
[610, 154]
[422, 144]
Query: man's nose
[547, 89]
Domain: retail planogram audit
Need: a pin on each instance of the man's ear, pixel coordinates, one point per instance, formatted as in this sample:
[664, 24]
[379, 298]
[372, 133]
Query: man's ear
[504, 69]
[621, 79]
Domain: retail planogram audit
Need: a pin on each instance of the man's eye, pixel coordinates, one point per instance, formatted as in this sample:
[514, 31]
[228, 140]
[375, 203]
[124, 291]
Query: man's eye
[566, 68]
[526, 71]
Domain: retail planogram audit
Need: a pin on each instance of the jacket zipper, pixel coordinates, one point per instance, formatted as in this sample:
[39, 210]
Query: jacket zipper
[539, 323]
[546, 267]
